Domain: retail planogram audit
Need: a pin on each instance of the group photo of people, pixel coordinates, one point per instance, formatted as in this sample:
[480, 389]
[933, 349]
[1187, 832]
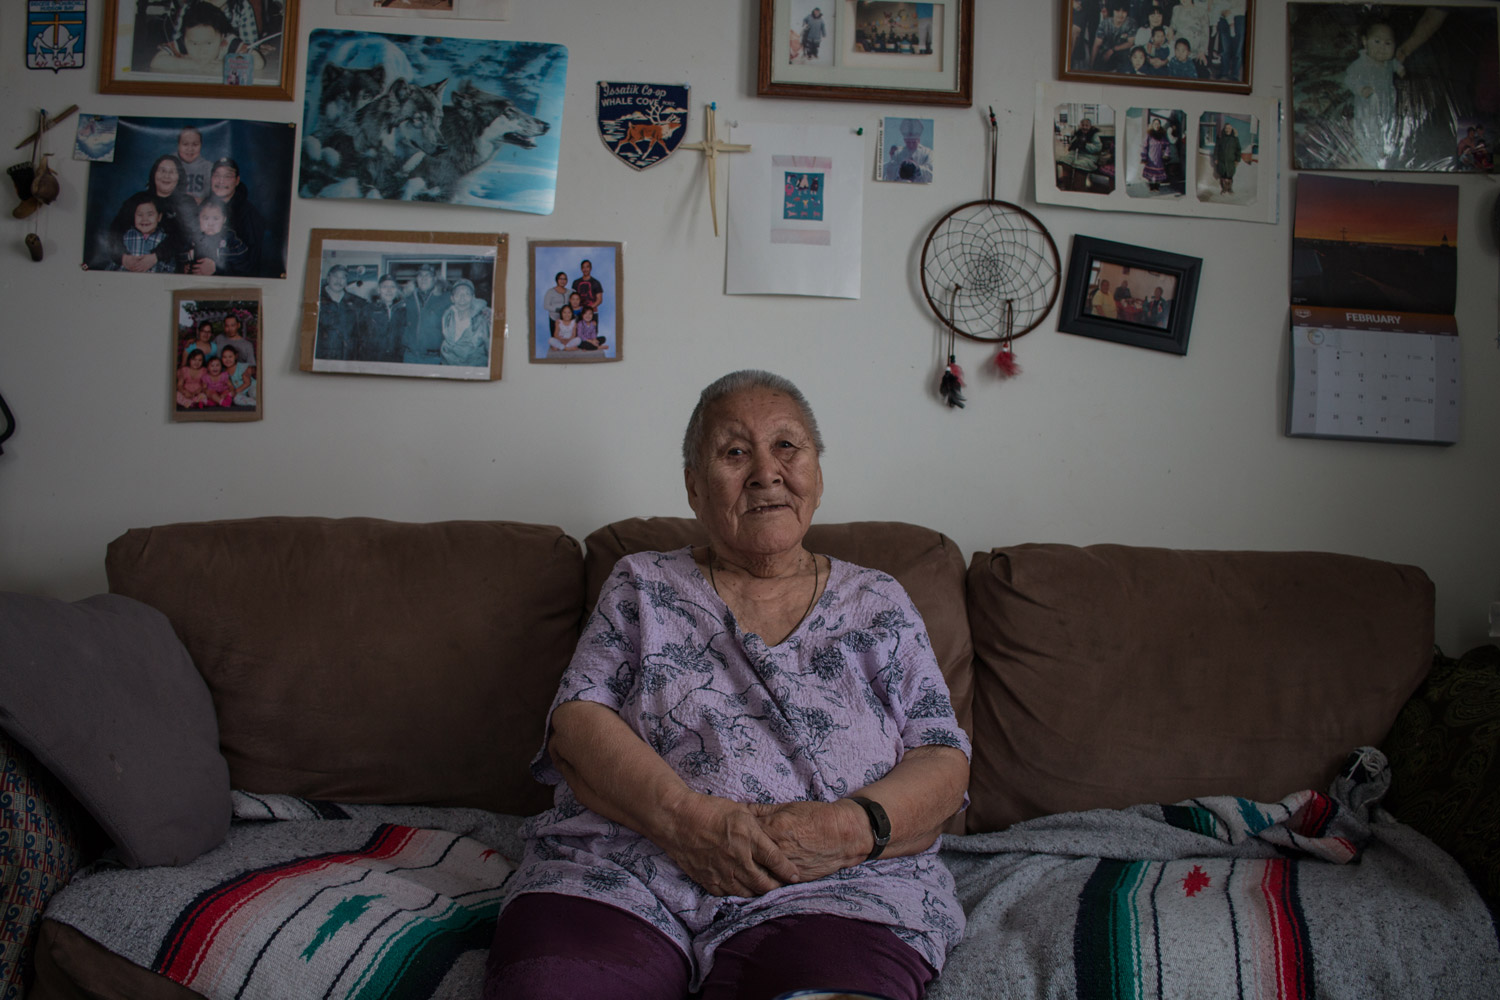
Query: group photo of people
[575, 304]
[1130, 295]
[380, 309]
[216, 360]
[1168, 39]
[216, 41]
[190, 196]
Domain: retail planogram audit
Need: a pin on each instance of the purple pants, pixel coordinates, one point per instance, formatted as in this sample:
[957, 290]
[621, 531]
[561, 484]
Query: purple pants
[554, 947]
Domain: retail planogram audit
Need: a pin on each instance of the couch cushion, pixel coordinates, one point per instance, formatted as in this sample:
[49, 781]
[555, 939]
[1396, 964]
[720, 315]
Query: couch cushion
[103, 693]
[362, 660]
[1109, 675]
[1445, 764]
[926, 563]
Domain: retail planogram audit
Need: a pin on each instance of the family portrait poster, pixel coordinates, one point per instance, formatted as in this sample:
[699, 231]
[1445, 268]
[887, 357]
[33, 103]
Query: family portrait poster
[198, 196]
[417, 118]
[1393, 87]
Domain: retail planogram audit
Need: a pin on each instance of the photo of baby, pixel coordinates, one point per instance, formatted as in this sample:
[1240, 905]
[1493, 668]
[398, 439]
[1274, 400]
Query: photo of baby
[1391, 87]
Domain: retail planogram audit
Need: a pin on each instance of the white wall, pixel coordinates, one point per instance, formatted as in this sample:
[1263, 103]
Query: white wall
[1094, 442]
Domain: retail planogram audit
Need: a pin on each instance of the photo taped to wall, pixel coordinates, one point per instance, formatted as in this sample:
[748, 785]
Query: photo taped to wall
[577, 300]
[192, 196]
[216, 354]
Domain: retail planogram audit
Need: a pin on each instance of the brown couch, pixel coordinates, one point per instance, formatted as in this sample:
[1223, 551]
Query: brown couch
[361, 660]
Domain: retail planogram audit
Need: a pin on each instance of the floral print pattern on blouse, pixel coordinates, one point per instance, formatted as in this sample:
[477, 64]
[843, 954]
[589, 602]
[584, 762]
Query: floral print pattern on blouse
[830, 709]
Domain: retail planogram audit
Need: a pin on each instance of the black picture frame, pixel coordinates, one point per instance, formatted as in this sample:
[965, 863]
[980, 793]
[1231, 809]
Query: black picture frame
[1093, 262]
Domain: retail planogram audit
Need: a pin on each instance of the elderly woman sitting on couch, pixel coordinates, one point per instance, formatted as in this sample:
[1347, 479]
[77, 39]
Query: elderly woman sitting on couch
[754, 752]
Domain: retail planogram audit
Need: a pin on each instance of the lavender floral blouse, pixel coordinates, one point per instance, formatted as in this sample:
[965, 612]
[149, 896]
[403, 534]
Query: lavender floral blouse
[829, 710]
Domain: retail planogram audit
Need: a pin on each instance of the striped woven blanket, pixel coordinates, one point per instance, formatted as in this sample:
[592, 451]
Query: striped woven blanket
[310, 899]
[1314, 896]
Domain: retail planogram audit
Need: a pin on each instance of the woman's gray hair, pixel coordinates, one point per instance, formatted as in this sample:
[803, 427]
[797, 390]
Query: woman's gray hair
[732, 384]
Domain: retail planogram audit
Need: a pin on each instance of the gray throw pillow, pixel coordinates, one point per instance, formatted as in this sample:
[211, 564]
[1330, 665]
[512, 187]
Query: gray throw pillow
[103, 693]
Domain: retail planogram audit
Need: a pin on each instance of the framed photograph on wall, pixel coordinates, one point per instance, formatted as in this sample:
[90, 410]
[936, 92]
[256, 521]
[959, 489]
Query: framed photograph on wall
[868, 50]
[1190, 45]
[186, 48]
[577, 296]
[1131, 295]
[476, 10]
[216, 353]
[415, 304]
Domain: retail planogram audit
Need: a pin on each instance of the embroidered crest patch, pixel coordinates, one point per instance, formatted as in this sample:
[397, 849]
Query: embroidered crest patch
[55, 34]
[642, 123]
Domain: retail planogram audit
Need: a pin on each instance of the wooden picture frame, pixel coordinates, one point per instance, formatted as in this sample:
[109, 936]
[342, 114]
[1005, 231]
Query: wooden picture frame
[135, 32]
[1221, 62]
[933, 63]
[350, 327]
[210, 322]
[1094, 307]
[570, 270]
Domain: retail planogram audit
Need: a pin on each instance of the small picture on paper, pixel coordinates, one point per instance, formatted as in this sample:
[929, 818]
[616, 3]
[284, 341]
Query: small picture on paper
[1083, 146]
[1227, 142]
[905, 146]
[896, 36]
[95, 141]
[810, 32]
[1157, 138]
[804, 187]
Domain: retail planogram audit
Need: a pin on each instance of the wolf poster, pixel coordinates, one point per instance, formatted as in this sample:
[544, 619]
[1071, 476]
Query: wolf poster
[414, 118]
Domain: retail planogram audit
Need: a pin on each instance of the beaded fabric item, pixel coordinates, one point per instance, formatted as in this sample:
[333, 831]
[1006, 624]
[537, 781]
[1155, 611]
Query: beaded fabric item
[42, 842]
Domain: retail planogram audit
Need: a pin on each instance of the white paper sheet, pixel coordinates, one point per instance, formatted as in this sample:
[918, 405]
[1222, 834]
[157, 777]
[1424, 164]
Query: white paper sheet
[795, 211]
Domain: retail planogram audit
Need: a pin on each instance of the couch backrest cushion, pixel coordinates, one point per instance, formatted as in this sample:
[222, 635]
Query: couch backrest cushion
[105, 696]
[1109, 675]
[361, 660]
[926, 563]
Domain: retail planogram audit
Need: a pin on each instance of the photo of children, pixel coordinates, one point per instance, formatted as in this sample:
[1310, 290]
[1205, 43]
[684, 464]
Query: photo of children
[215, 352]
[211, 41]
[1391, 87]
[1227, 142]
[576, 312]
[811, 32]
[191, 196]
[1177, 43]
[1158, 137]
[389, 308]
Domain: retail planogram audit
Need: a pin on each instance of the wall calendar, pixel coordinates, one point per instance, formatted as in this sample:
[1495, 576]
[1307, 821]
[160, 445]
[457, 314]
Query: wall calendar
[1365, 374]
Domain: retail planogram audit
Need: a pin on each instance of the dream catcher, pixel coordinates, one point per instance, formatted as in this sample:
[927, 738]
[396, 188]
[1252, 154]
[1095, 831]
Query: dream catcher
[991, 273]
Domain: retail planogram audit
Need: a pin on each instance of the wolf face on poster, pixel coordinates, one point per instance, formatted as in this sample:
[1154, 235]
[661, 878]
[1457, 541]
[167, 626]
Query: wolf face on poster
[409, 118]
[192, 196]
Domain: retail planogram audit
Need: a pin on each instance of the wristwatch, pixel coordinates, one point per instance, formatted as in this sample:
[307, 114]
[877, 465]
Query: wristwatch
[880, 824]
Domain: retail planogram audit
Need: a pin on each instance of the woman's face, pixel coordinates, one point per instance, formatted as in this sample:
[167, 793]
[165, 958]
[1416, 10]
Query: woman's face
[463, 298]
[206, 332]
[165, 178]
[758, 480]
[562, 278]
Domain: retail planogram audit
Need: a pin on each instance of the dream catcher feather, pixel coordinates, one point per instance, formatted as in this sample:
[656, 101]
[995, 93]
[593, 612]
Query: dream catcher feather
[990, 272]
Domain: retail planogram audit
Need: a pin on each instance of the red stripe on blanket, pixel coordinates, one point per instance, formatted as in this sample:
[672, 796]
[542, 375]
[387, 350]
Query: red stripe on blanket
[1289, 938]
[192, 933]
[1313, 818]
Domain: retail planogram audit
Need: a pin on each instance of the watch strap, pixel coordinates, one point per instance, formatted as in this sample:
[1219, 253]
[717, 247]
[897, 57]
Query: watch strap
[880, 824]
